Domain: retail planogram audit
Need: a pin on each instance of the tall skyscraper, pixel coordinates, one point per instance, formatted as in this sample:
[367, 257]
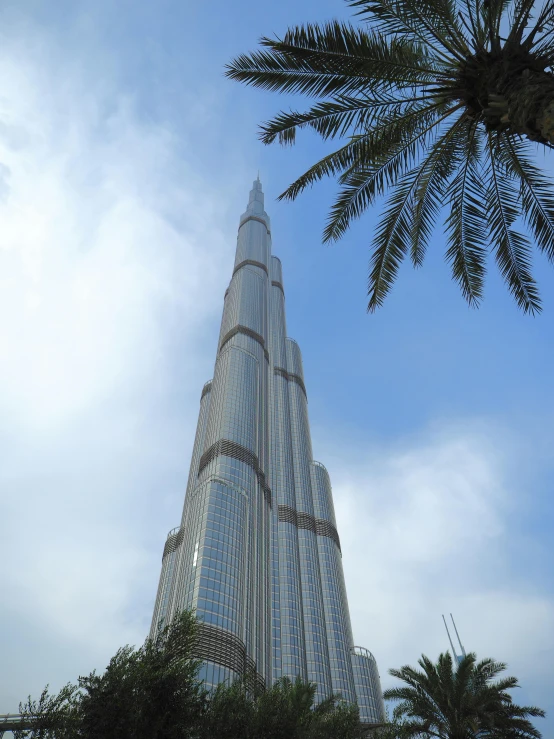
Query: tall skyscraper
[257, 554]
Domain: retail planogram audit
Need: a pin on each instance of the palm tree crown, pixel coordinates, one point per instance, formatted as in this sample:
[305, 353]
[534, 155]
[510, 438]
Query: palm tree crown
[442, 102]
[466, 702]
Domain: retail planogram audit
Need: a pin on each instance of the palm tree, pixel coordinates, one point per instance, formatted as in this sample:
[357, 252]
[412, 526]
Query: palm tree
[441, 101]
[466, 702]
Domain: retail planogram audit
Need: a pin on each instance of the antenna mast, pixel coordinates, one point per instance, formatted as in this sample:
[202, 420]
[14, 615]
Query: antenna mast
[458, 657]
[449, 639]
[459, 640]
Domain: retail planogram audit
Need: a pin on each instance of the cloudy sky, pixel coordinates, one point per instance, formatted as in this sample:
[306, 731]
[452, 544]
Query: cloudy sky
[125, 161]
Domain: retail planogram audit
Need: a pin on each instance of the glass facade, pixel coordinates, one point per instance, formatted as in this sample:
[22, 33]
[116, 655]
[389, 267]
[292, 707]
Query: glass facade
[257, 554]
[368, 686]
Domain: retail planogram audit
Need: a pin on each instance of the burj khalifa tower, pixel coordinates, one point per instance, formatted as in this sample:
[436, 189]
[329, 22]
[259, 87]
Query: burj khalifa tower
[257, 553]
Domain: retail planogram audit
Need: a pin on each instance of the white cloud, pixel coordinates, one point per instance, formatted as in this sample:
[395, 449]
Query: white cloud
[90, 253]
[114, 257]
[430, 526]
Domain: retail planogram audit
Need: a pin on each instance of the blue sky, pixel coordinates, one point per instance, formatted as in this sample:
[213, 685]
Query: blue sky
[126, 162]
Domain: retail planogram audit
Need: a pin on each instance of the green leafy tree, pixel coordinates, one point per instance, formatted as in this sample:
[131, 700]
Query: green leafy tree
[287, 710]
[147, 693]
[230, 712]
[440, 102]
[52, 716]
[153, 692]
[466, 701]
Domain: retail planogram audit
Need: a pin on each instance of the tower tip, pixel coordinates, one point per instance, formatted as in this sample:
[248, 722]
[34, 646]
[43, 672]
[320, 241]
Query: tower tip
[256, 199]
[257, 184]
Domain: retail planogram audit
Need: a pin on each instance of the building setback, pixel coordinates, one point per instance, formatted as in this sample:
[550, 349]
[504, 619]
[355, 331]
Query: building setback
[257, 554]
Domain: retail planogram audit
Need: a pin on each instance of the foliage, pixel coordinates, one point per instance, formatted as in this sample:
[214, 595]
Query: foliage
[146, 693]
[392, 729]
[285, 711]
[467, 701]
[154, 693]
[54, 717]
[433, 104]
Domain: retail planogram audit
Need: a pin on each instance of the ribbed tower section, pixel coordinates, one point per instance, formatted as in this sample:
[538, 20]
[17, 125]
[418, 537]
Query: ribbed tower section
[257, 554]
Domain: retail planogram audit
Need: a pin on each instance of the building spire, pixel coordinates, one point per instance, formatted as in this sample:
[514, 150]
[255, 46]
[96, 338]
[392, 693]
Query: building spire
[255, 208]
[256, 199]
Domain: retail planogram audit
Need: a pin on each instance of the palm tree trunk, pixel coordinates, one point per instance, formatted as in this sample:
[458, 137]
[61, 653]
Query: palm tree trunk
[524, 103]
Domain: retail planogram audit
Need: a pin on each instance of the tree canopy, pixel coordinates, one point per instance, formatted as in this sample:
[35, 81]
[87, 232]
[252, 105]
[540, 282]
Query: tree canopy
[155, 692]
[285, 711]
[150, 692]
[463, 701]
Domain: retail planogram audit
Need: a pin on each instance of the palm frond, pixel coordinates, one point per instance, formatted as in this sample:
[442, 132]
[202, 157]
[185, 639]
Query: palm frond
[536, 199]
[544, 18]
[387, 159]
[361, 148]
[337, 116]
[423, 697]
[433, 22]
[445, 675]
[408, 220]
[436, 170]
[391, 240]
[544, 43]
[506, 683]
[512, 249]
[490, 668]
[521, 711]
[520, 17]
[497, 8]
[332, 59]
[464, 680]
[470, 17]
[466, 224]
[445, 13]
